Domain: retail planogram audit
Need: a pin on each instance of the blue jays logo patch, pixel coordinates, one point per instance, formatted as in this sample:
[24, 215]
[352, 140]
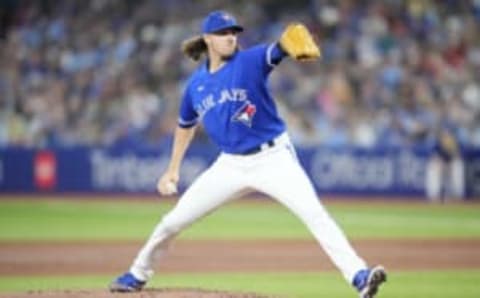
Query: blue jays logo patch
[245, 114]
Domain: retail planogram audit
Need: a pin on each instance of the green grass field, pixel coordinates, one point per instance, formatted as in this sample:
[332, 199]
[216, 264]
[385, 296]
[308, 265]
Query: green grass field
[55, 220]
[40, 219]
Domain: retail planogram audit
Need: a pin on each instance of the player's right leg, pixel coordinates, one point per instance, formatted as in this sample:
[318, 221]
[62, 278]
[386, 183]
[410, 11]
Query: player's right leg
[219, 184]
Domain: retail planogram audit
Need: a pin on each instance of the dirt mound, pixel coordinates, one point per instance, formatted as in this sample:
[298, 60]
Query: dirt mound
[147, 293]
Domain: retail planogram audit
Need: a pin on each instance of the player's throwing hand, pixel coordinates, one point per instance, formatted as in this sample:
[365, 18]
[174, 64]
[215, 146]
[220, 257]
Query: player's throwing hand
[167, 184]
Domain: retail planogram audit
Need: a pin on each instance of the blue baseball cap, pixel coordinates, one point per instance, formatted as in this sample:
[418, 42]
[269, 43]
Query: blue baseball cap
[220, 20]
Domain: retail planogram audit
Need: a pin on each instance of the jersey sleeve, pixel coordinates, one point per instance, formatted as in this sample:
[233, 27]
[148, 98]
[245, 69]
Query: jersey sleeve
[275, 54]
[266, 56]
[188, 116]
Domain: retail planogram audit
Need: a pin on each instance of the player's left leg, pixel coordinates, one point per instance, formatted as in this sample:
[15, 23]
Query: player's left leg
[281, 176]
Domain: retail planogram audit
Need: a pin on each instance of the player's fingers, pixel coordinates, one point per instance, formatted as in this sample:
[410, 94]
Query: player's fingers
[167, 188]
[171, 188]
[162, 189]
[159, 186]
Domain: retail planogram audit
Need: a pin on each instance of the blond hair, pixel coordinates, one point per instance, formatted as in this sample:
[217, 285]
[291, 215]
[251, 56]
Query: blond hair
[194, 47]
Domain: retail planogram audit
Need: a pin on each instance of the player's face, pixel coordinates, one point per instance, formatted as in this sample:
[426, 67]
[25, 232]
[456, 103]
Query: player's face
[222, 43]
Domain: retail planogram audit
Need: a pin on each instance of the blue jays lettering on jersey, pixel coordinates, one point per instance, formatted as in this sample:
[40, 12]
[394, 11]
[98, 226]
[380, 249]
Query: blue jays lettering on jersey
[234, 103]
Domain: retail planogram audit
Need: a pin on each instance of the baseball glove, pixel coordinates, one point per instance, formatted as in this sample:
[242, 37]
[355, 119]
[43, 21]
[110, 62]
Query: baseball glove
[298, 43]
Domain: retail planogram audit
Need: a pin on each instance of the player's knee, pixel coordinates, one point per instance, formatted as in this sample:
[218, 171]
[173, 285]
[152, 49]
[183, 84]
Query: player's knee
[172, 225]
[316, 218]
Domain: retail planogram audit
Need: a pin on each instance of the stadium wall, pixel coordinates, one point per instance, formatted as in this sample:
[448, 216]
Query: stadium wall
[350, 171]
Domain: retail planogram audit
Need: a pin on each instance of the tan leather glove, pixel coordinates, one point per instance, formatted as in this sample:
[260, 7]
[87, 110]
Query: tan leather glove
[297, 41]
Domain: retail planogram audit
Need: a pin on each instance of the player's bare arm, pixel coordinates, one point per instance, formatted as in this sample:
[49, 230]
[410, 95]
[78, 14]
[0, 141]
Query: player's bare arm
[167, 184]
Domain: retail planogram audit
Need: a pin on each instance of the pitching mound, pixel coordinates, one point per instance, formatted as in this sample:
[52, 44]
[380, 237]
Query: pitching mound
[147, 293]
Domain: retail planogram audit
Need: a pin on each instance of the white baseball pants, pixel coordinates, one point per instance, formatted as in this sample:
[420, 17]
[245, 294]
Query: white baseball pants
[274, 171]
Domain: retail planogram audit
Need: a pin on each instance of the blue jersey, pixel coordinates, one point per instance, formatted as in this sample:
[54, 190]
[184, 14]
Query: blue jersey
[234, 103]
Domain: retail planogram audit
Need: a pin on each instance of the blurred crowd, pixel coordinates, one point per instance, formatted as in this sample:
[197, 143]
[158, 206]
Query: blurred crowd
[101, 72]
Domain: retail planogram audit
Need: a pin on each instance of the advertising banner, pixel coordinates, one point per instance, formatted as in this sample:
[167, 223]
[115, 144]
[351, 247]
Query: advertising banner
[347, 172]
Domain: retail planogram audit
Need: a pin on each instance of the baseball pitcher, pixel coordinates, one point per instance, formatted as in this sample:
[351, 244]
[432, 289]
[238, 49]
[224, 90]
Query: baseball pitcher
[228, 94]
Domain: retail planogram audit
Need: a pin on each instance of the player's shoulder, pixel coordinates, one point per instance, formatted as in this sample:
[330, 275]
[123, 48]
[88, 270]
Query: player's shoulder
[257, 52]
[196, 75]
[258, 48]
[199, 71]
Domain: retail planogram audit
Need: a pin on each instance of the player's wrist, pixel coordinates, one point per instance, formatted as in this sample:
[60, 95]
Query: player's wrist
[173, 169]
